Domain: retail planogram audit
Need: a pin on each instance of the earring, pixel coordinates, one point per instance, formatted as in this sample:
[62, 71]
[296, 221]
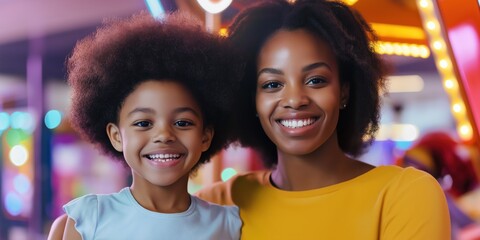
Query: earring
[344, 106]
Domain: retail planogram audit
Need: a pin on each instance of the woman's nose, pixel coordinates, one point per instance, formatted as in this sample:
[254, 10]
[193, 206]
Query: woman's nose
[295, 97]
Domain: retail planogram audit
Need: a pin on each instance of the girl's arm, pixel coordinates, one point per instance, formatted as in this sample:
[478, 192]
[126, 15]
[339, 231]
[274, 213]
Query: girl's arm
[70, 232]
[58, 228]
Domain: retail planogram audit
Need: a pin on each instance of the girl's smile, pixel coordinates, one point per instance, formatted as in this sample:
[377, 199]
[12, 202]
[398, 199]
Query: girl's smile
[164, 160]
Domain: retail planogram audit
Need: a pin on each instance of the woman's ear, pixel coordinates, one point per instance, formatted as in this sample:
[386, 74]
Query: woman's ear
[208, 133]
[115, 137]
[344, 95]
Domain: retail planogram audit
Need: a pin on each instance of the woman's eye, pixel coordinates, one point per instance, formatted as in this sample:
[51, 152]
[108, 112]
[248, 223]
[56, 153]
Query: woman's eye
[315, 81]
[271, 85]
[183, 123]
[143, 124]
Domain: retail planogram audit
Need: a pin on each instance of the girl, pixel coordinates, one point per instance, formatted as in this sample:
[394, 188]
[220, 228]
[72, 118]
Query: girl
[146, 92]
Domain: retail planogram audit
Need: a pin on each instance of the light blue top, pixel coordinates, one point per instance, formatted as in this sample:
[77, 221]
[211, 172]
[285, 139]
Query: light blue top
[119, 216]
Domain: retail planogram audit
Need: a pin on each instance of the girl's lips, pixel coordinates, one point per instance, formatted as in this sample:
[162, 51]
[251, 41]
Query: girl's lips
[164, 160]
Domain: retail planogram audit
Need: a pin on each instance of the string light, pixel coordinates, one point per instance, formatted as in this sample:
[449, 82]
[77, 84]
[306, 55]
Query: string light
[445, 67]
[402, 49]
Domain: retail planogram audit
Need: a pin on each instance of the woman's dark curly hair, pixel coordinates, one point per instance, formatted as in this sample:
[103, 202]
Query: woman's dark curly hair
[349, 36]
[107, 66]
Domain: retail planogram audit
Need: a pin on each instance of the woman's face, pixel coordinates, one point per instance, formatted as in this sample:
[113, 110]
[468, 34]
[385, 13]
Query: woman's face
[298, 96]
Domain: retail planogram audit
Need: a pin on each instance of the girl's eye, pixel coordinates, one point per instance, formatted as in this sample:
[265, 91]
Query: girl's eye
[315, 81]
[143, 124]
[183, 123]
[271, 85]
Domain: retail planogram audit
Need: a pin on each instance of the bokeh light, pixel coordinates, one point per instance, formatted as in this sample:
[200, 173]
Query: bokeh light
[4, 121]
[227, 173]
[13, 204]
[21, 183]
[21, 120]
[18, 155]
[53, 118]
[16, 136]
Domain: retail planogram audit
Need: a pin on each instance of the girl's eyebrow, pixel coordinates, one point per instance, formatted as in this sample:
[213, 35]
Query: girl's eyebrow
[177, 110]
[304, 69]
[187, 109]
[142, 110]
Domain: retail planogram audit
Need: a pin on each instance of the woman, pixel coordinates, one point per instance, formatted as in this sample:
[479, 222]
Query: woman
[310, 104]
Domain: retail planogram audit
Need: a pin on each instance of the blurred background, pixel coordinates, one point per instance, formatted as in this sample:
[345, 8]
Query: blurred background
[432, 45]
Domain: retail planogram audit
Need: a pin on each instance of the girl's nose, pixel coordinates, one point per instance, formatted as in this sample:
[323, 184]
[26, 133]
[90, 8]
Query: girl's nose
[164, 134]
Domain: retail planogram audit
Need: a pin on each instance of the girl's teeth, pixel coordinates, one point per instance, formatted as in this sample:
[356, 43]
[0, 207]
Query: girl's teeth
[297, 123]
[163, 157]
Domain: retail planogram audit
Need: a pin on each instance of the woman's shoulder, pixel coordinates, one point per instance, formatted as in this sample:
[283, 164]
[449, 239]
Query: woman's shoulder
[411, 192]
[401, 181]
[393, 172]
[221, 192]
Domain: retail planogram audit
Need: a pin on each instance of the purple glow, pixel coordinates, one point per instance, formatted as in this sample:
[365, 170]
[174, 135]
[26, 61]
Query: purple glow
[464, 40]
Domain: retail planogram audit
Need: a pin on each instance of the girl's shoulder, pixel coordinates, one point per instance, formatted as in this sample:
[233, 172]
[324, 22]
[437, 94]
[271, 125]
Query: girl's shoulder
[215, 212]
[85, 210]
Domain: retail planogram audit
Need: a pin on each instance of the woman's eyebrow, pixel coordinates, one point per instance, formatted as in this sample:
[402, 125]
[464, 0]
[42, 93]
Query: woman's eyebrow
[316, 65]
[304, 69]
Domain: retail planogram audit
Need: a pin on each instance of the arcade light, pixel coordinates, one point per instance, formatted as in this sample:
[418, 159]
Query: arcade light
[155, 8]
[445, 66]
[214, 7]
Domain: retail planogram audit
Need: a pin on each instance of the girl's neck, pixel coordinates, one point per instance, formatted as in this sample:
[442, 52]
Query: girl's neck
[324, 167]
[168, 199]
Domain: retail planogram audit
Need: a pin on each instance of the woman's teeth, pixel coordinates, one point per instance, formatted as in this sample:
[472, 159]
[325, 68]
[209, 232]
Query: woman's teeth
[297, 123]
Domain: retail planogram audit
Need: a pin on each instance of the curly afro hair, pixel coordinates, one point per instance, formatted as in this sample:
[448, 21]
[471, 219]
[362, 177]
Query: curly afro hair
[106, 66]
[350, 38]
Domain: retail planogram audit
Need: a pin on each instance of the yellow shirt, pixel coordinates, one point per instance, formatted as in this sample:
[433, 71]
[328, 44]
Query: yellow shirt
[388, 202]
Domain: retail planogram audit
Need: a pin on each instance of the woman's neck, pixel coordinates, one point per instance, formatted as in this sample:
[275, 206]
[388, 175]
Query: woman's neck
[169, 199]
[324, 167]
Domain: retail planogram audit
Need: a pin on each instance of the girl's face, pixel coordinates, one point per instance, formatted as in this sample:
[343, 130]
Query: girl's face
[160, 132]
[298, 96]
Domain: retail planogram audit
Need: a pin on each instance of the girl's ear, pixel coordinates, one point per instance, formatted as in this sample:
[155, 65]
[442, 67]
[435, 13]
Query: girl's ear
[207, 138]
[115, 137]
